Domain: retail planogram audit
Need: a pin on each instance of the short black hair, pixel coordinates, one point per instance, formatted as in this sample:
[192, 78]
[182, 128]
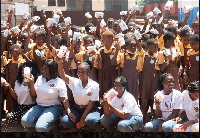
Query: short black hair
[194, 37]
[168, 36]
[87, 64]
[62, 41]
[87, 27]
[171, 28]
[87, 37]
[185, 33]
[193, 87]
[151, 41]
[143, 45]
[53, 68]
[41, 32]
[161, 80]
[124, 82]
[146, 36]
[34, 71]
[15, 46]
[128, 41]
[54, 38]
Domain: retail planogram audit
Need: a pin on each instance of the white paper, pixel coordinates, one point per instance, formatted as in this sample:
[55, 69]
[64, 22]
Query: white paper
[21, 8]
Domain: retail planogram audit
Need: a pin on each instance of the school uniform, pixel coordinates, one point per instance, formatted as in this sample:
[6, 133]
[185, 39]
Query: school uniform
[171, 67]
[126, 104]
[191, 109]
[82, 96]
[130, 64]
[108, 73]
[149, 76]
[193, 59]
[48, 108]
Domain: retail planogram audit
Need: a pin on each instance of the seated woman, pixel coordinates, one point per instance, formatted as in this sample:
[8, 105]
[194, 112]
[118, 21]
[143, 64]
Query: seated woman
[22, 94]
[168, 108]
[190, 102]
[122, 111]
[50, 91]
[85, 92]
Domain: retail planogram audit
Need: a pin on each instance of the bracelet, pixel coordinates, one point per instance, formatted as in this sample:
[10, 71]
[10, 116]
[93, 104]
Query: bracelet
[83, 117]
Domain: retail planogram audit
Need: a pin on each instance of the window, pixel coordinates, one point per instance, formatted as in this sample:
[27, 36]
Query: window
[61, 3]
[116, 5]
[87, 5]
[51, 2]
[70, 5]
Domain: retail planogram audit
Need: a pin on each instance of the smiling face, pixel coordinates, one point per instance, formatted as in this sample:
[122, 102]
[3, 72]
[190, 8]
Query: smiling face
[194, 45]
[15, 53]
[131, 47]
[153, 48]
[185, 40]
[118, 88]
[46, 71]
[88, 42]
[82, 73]
[168, 83]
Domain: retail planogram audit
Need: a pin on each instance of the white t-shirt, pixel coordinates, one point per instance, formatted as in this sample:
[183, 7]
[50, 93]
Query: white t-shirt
[49, 93]
[23, 94]
[191, 107]
[127, 104]
[83, 95]
[170, 102]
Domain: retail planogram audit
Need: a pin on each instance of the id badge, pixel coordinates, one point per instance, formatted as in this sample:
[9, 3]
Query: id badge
[111, 56]
[197, 58]
[152, 61]
[90, 58]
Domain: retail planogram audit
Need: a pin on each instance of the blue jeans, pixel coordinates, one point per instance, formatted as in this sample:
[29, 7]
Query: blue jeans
[92, 119]
[113, 122]
[166, 126]
[42, 117]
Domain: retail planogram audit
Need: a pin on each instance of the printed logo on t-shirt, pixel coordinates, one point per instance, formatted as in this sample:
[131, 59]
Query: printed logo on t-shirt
[88, 93]
[196, 109]
[52, 85]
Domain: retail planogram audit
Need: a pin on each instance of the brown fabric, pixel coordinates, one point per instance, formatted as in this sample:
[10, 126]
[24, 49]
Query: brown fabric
[173, 69]
[131, 73]
[107, 74]
[193, 72]
[149, 79]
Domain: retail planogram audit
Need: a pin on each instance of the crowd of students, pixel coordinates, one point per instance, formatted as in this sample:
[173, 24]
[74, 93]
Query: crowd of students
[163, 61]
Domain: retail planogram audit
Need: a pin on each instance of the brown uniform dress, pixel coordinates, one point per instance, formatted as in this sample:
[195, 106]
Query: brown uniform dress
[11, 72]
[193, 72]
[107, 74]
[149, 78]
[132, 74]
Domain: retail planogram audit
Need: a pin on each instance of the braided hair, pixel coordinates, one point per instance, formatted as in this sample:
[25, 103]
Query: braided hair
[161, 80]
[123, 80]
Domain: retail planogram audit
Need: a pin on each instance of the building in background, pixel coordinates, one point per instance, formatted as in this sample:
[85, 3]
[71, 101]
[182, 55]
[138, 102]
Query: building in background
[21, 6]
[193, 13]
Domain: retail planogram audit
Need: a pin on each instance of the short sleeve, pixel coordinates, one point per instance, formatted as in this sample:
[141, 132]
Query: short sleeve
[128, 106]
[72, 82]
[62, 88]
[120, 59]
[178, 100]
[140, 62]
[95, 95]
[160, 42]
[161, 58]
[39, 79]
[4, 61]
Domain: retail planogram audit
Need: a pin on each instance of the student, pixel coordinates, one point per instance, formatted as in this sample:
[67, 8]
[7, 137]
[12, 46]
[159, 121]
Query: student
[149, 76]
[168, 108]
[122, 112]
[192, 66]
[106, 62]
[86, 93]
[195, 26]
[22, 94]
[11, 71]
[49, 90]
[190, 103]
[110, 22]
[130, 63]
[169, 58]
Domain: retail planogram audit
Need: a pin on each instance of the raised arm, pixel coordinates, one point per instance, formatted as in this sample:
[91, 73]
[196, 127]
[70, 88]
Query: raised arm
[61, 72]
